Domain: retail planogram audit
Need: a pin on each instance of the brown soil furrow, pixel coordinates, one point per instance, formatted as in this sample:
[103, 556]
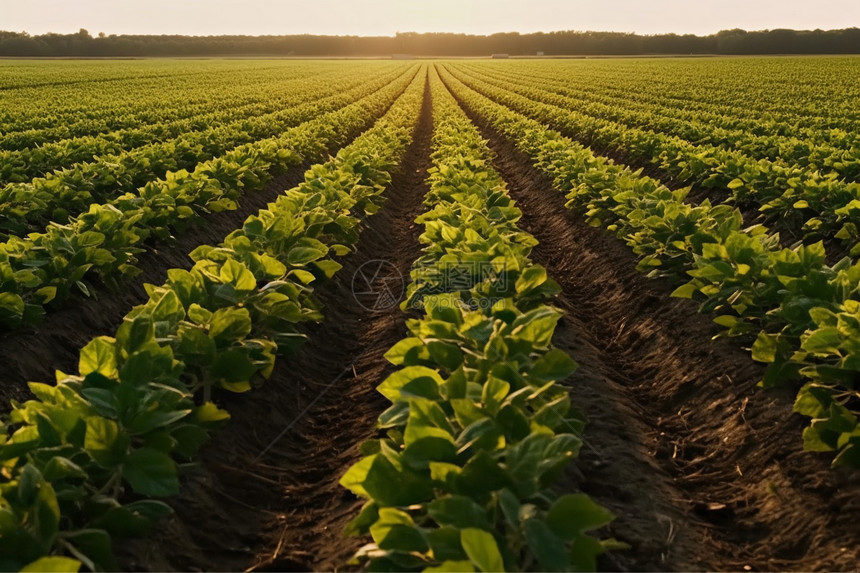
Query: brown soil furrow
[284, 510]
[703, 469]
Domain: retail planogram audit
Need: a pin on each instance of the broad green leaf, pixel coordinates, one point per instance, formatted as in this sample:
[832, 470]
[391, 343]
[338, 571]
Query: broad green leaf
[304, 255]
[482, 549]
[152, 473]
[106, 441]
[555, 365]
[549, 549]
[235, 273]
[208, 413]
[233, 366]
[95, 544]
[574, 514]
[395, 531]
[458, 511]
[355, 476]
[99, 356]
[368, 515]
[412, 380]
[391, 487]
[230, 324]
[406, 352]
[765, 347]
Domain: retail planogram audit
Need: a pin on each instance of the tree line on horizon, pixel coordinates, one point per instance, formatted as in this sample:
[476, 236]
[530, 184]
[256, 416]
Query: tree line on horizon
[780, 41]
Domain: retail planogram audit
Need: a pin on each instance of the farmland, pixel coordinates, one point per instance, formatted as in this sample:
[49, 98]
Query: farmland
[458, 315]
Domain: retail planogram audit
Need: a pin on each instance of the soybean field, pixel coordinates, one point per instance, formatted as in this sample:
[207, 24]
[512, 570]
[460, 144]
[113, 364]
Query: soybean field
[430, 315]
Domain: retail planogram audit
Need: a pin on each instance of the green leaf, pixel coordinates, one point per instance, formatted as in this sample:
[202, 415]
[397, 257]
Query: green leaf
[482, 549]
[727, 320]
[494, 392]
[106, 442]
[233, 366]
[765, 347]
[46, 294]
[445, 544]
[412, 380]
[537, 326]
[445, 354]
[303, 276]
[355, 476]
[189, 439]
[368, 515]
[327, 267]
[553, 366]
[196, 347]
[395, 531]
[685, 291]
[458, 511]
[152, 473]
[574, 514]
[230, 324]
[168, 308]
[392, 487]
[104, 401]
[61, 468]
[198, 314]
[210, 414]
[95, 544]
[407, 352]
[304, 255]
[235, 273]
[546, 546]
[99, 356]
[584, 553]
[511, 506]
[823, 341]
[133, 334]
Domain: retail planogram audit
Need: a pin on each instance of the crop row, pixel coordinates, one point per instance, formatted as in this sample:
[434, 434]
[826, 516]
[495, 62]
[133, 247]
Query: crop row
[803, 314]
[20, 166]
[103, 242]
[812, 148]
[85, 461]
[791, 197]
[30, 206]
[85, 99]
[479, 428]
[788, 94]
[114, 112]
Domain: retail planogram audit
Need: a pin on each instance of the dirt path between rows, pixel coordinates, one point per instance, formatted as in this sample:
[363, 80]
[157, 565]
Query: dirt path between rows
[284, 510]
[703, 469]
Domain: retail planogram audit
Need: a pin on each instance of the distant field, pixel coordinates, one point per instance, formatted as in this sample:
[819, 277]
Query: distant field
[579, 314]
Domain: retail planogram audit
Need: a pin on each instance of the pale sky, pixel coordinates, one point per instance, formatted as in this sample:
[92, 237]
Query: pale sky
[386, 17]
